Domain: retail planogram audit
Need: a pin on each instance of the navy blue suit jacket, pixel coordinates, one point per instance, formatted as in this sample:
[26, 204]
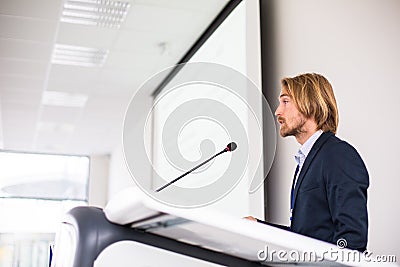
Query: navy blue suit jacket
[330, 198]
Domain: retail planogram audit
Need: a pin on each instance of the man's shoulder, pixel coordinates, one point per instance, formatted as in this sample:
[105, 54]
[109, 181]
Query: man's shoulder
[337, 154]
[336, 150]
[334, 144]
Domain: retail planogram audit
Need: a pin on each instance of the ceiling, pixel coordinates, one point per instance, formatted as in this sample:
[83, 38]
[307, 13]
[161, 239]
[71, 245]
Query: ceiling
[153, 35]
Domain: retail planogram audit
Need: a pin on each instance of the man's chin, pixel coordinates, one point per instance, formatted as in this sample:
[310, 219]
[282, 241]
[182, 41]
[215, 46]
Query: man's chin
[284, 133]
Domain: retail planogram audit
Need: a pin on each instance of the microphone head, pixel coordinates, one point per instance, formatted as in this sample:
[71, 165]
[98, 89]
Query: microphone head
[231, 146]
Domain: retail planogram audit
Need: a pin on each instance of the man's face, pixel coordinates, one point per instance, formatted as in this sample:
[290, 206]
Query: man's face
[288, 116]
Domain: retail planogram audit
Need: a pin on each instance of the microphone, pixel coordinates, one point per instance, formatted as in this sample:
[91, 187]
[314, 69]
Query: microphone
[229, 148]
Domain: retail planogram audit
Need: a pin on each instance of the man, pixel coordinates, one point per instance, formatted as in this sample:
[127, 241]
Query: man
[329, 191]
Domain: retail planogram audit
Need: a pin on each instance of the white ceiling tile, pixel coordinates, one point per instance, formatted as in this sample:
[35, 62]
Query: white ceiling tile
[142, 41]
[21, 97]
[94, 140]
[18, 142]
[156, 34]
[21, 82]
[25, 50]
[55, 127]
[69, 87]
[72, 79]
[74, 74]
[134, 61]
[161, 20]
[109, 107]
[87, 36]
[51, 146]
[152, 47]
[18, 115]
[13, 113]
[52, 142]
[23, 67]
[45, 9]
[120, 78]
[109, 90]
[20, 122]
[67, 115]
[19, 138]
[99, 123]
[194, 5]
[99, 129]
[27, 29]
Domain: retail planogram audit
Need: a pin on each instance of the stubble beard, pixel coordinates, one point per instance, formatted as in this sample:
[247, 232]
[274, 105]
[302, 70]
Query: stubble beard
[295, 131]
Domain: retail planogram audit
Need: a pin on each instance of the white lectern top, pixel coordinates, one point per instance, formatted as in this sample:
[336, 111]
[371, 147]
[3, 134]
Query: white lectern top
[224, 233]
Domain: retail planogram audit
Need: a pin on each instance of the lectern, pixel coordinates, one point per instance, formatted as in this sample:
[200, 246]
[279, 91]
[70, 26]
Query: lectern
[206, 235]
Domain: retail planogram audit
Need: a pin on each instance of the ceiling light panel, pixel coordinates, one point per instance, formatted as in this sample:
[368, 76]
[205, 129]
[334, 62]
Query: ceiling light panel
[79, 56]
[55, 98]
[103, 13]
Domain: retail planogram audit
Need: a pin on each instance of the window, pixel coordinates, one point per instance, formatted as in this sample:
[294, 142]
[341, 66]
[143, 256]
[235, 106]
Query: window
[36, 190]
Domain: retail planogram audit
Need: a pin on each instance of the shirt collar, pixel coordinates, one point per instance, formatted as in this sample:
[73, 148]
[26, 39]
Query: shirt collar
[303, 151]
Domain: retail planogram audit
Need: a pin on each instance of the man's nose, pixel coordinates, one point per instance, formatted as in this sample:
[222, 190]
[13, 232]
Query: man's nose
[278, 111]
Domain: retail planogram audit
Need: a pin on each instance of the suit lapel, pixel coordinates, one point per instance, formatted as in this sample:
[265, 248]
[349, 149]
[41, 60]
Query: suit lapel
[310, 157]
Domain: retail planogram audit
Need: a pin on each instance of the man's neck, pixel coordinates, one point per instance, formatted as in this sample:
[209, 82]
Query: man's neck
[309, 128]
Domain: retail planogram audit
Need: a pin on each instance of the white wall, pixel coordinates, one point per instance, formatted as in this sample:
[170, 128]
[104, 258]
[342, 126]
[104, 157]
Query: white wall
[355, 44]
[98, 180]
[119, 177]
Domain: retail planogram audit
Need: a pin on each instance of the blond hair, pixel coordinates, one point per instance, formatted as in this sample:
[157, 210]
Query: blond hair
[314, 97]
